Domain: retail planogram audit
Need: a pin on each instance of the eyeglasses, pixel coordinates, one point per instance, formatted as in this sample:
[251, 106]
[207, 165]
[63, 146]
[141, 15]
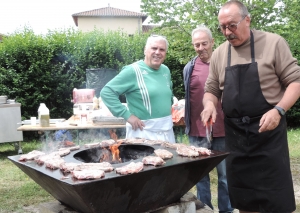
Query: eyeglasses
[231, 27]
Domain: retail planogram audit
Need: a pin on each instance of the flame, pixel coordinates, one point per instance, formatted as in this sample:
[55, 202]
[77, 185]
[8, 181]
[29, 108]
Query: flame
[115, 147]
[113, 135]
[115, 151]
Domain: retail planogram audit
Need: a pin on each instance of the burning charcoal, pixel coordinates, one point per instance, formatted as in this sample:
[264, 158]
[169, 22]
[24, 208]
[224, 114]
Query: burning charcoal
[164, 154]
[130, 168]
[31, 155]
[91, 145]
[88, 174]
[153, 160]
[201, 150]
[54, 163]
[186, 151]
[105, 166]
[105, 155]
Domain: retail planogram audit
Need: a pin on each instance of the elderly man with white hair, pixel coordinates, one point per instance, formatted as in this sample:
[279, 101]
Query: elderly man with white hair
[147, 87]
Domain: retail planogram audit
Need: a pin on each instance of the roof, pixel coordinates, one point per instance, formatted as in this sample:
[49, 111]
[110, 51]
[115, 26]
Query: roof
[108, 12]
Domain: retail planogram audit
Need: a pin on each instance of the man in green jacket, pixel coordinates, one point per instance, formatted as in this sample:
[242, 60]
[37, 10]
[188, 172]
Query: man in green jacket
[147, 87]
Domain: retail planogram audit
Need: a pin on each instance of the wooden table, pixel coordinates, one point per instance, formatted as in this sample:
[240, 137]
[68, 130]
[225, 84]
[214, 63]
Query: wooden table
[68, 127]
[70, 124]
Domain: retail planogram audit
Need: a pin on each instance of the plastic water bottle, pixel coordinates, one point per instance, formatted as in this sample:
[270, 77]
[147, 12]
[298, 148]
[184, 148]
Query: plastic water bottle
[100, 103]
[75, 109]
[44, 115]
[83, 115]
[95, 103]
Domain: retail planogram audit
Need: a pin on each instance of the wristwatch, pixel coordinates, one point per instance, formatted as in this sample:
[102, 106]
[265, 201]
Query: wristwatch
[280, 110]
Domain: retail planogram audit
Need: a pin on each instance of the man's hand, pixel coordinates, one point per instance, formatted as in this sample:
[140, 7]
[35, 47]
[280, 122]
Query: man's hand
[135, 122]
[209, 111]
[269, 120]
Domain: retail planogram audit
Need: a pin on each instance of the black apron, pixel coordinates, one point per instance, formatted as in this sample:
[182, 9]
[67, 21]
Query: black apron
[258, 167]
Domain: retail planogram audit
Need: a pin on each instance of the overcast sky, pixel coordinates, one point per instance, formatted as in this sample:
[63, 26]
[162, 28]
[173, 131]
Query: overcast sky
[41, 15]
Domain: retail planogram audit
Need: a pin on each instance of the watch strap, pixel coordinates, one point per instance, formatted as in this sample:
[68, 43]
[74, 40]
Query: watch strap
[280, 110]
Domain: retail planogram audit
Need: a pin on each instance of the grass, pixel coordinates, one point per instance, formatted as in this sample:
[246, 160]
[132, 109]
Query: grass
[17, 190]
[294, 149]
[294, 142]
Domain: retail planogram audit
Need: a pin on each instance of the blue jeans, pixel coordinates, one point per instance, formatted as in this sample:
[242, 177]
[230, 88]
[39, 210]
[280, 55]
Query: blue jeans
[203, 186]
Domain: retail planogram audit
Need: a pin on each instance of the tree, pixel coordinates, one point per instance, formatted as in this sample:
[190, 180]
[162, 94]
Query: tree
[179, 17]
[290, 28]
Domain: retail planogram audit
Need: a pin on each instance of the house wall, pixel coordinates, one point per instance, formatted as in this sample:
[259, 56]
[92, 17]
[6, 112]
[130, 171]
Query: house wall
[131, 25]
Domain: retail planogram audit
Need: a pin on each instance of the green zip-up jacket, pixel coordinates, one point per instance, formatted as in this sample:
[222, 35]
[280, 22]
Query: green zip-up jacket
[148, 92]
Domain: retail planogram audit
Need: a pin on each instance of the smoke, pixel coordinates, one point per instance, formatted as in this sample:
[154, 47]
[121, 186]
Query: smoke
[53, 140]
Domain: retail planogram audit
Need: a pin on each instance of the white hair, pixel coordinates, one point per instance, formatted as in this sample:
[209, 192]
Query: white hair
[204, 29]
[157, 37]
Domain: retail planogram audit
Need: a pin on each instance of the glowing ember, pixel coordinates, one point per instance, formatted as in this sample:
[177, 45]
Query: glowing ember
[104, 155]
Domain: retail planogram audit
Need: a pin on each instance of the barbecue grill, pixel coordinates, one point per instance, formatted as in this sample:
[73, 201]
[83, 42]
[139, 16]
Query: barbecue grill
[147, 190]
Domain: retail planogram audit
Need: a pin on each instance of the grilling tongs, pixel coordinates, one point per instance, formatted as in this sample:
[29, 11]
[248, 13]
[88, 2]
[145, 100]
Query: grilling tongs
[208, 125]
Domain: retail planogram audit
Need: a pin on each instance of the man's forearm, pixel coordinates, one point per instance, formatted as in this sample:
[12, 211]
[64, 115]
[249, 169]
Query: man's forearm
[209, 98]
[290, 96]
[209, 102]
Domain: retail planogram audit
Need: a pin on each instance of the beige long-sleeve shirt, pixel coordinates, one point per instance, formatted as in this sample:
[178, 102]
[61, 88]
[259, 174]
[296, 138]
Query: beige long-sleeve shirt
[277, 68]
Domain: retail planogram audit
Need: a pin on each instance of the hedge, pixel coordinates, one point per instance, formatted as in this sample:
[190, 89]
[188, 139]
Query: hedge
[38, 69]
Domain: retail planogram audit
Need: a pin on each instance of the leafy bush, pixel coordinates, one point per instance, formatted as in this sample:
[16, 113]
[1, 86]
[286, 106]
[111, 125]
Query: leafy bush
[38, 69]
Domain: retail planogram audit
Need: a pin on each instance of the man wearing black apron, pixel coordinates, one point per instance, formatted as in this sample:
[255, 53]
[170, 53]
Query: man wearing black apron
[258, 167]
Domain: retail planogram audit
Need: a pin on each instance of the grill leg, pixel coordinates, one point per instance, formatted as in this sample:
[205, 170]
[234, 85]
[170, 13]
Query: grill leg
[20, 148]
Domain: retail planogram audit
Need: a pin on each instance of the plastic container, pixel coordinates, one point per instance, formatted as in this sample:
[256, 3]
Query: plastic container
[75, 109]
[95, 103]
[83, 116]
[83, 95]
[43, 115]
[100, 103]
